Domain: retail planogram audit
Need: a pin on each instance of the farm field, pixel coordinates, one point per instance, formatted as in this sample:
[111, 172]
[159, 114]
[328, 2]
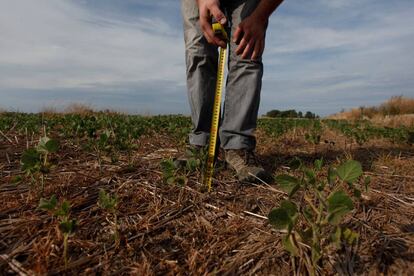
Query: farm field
[99, 193]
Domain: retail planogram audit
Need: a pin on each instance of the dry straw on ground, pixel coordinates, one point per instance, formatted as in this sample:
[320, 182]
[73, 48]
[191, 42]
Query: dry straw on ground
[183, 230]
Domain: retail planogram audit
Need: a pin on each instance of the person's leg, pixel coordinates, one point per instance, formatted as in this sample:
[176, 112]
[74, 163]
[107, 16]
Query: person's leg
[201, 62]
[242, 103]
[243, 87]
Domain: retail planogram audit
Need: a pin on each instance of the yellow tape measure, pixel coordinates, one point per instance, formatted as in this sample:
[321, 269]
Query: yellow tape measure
[208, 177]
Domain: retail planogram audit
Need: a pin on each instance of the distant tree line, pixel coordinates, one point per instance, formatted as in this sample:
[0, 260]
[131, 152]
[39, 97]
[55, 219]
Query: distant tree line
[291, 113]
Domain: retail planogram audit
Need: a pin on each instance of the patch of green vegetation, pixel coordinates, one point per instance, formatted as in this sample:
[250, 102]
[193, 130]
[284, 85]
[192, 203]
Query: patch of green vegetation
[109, 203]
[327, 202]
[66, 225]
[35, 162]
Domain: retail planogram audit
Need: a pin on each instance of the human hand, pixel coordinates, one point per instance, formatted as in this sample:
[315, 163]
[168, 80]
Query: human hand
[207, 9]
[250, 37]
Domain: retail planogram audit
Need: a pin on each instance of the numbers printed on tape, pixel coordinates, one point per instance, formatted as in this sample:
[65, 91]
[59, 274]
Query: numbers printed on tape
[208, 177]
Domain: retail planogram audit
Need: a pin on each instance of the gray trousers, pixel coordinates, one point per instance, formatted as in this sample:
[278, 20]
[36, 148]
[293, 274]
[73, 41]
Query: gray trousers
[244, 80]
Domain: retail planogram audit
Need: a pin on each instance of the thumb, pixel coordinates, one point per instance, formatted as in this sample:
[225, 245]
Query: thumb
[218, 15]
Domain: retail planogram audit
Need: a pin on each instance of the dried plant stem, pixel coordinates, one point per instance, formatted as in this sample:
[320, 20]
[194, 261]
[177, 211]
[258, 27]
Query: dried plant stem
[65, 248]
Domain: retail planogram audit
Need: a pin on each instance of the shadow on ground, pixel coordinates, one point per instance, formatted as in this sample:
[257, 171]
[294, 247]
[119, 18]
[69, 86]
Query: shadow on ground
[366, 155]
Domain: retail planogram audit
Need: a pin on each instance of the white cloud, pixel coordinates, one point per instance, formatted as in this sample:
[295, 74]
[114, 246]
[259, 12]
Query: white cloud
[297, 34]
[337, 3]
[57, 44]
[319, 58]
[319, 53]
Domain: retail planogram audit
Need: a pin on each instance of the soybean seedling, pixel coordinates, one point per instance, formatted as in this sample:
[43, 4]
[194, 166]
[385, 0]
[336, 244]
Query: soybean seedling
[101, 145]
[35, 162]
[110, 204]
[170, 173]
[66, 225]
[323, 214]
[177, 171]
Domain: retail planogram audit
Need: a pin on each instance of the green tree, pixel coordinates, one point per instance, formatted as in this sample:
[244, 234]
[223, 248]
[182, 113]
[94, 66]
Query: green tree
[273, 113]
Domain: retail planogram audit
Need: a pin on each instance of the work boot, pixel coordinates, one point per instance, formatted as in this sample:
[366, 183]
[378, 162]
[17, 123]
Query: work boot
[245, 164]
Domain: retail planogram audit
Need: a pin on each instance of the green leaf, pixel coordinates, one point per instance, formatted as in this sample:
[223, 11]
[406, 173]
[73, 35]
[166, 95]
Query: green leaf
[339, 199]
[181, 181]
[47, 145]
[310, 174]
[63, 210]
[288, 184]
[350, 236]
[285, 216]
[106, 201]
[171, 180]
[44, 169]
[67, 227]
[318, 164]
[167, 164]
[192, 164]
[30, 158]
[279, 218]
[103, 138]
[41, 146]
[339, 204]
[295, 164]
[48, 205]
[289, 245]
[290, 208]
[66, 207]
[52, 146]
[349, 171]
[168, 168]
[102, 198]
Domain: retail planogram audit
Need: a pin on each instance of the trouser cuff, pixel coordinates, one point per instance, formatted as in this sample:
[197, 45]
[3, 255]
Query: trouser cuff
[199, 139]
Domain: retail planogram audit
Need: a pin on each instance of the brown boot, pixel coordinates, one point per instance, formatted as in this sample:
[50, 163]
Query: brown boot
[247, 168]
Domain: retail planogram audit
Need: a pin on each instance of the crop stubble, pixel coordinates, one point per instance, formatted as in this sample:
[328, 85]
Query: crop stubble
[184, 230]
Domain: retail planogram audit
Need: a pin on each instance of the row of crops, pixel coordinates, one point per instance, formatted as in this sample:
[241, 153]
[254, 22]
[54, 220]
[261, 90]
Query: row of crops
[123, 129]
[70, 125]
[363, 131]
[358, 131]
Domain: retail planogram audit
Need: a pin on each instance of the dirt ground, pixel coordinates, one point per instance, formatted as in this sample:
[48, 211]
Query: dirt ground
[183, 230]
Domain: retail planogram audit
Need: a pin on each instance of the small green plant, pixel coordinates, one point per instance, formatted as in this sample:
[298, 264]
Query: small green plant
[176, 172]
[314, 135]
[45, 147]
[101, 145]
[196, 160]
[35, 161]
[66, 225]
[110, 204]
[170, 173]
[314, 229]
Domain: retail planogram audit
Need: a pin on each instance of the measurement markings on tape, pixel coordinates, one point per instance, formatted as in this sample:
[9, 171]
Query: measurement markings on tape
[208, 177]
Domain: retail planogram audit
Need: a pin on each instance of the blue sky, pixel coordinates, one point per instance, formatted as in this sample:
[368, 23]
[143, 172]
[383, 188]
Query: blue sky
[321, 55]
